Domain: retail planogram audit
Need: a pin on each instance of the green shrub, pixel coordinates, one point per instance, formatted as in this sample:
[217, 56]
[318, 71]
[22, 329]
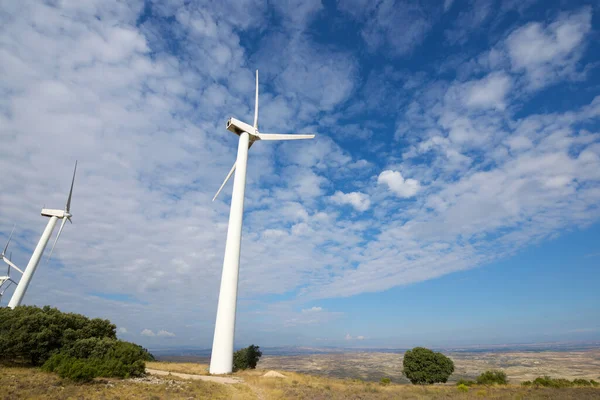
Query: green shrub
[89, 358]
[463, 388]
[593, 383]
[385, 381]
[32, 334]
[72, 345]
[581, 382]
[547, 381]
[465, 382]
[526, 383]
[492, 378]
[423, 366]
[246, 358]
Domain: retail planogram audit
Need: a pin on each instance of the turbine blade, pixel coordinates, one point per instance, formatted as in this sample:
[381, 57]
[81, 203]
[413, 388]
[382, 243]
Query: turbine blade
[283, 136]
[10, 237]
[9, 262]
[256, 104]
[62, 225]
[225, 181]
[68, 208]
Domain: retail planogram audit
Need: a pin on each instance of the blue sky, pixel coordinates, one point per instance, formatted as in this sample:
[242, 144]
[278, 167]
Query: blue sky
[450, 197]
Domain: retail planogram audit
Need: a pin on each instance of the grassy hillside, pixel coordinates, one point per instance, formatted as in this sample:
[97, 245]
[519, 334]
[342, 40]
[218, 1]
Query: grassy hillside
[22, 383]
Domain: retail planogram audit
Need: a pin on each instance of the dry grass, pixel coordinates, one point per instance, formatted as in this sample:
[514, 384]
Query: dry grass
[301, 386]
[32, 383]
[28, 383]
[186, 368]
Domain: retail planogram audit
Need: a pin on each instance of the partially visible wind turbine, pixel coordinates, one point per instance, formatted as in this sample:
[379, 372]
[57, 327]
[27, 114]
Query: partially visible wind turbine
[221, 361]
[8, 260]
[7, 278]
[54, 215]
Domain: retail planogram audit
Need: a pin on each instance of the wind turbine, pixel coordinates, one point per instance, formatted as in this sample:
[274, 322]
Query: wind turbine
[6, 278]
[8, 260]
[221, 361]
[54, 215]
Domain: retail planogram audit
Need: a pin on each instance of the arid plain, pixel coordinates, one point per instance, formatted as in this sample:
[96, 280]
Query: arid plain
[372, 366]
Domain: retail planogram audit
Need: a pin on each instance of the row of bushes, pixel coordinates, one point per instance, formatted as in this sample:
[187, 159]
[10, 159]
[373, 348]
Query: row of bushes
[492, 377]
[72, 345]
[547, 381]
[499, 378]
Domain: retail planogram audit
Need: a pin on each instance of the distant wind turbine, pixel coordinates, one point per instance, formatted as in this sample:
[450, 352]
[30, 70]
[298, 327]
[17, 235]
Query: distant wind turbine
[221, 361]
[54, 215]
[8, 260]
[6, 278]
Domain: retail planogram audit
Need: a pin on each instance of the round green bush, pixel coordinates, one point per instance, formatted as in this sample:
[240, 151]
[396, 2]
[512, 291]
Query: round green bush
[463, 388]
[492, 378]
[423, 366]
[246, 358]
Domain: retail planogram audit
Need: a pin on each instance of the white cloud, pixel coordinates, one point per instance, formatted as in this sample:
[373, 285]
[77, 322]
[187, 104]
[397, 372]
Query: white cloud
[360, 201]
[85, 80]
[298, 12]
[312, 310]
[396, 26]
[122, 330]
[163, 333]
[350, 337]
[404, 188]
[489, 92]
[548, 52]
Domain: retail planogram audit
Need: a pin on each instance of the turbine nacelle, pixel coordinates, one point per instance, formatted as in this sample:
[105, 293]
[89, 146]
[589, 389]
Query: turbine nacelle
[46, 212]
[238, 127]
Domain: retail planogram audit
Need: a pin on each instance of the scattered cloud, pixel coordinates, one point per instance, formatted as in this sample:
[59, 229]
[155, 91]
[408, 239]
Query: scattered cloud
[448, 4]
[394, 180]
[396, 26]
[350, 337]
[548, 52]
[312, 310]
[122, 330]
[489, 92]
[360, 201]
[139, 91]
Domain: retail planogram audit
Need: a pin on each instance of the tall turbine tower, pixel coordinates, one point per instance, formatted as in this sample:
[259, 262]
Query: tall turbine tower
[221, 361]
[54, 215]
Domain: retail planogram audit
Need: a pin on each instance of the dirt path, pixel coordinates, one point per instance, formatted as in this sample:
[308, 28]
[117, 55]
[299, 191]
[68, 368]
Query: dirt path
[217, 379]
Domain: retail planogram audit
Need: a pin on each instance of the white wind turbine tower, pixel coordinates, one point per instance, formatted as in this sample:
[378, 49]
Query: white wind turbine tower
[221, 361]
[54, 215]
